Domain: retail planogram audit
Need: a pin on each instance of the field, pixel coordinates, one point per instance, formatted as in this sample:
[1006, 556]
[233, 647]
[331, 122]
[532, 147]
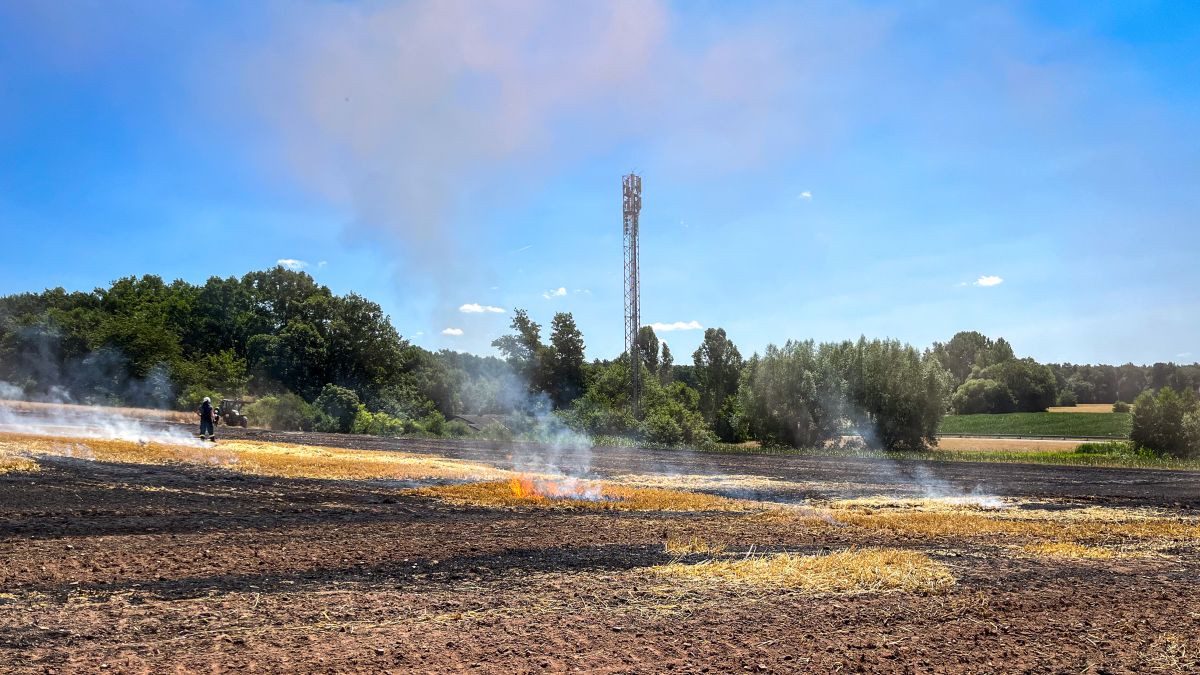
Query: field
[1100, 424]
[275, 552]
[1007, 444]
[1089, 408]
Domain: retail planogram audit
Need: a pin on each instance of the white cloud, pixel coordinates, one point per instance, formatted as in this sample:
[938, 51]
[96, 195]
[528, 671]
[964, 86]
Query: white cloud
[989, 280]
[806, 196]
[292, 263]
[419, 333]
[452, 331]
[322, 264]
[585, 291]
[555, 293]
[678, 325]
[476, 308]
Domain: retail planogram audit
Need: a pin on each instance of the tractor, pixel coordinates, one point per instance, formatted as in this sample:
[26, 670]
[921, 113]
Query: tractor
[230, 412]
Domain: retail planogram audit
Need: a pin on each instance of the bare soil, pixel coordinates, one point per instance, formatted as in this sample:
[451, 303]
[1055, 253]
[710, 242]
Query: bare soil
[132, 568]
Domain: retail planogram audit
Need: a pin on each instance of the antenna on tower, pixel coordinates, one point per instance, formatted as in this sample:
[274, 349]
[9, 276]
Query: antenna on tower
[632, 205]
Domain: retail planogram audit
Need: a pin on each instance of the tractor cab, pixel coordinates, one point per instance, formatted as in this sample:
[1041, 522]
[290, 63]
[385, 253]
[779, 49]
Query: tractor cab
[230, 412]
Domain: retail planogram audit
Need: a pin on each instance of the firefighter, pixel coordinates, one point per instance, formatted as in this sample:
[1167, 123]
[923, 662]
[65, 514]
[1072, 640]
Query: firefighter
[207, 419]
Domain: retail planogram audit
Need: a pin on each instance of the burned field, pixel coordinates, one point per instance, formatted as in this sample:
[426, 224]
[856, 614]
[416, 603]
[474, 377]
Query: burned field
[269, 556]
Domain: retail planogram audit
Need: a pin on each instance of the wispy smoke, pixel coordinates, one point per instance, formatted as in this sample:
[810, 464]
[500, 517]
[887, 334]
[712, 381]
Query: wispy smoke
[39, 372]
[11, 392]
[417, 117]
[85, 422]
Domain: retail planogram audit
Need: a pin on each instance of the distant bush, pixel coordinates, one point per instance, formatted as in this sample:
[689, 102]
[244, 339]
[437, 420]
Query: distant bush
[285, 412]
[376, 423]
[340, 405]
[661, 428]
[1067, 398]
[982, 396]
[1121, 407]
[496, 432]
[434, 423]
[1167, 422]
[191, 397]
[1032, 385]
[457, 428]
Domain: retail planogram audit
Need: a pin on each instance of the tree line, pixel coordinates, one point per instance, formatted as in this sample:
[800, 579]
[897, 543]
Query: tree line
[316, 360]
[989, 378]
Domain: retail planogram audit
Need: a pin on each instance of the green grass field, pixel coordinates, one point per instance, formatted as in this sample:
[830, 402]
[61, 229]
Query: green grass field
[1108, 425]
[1118, 455]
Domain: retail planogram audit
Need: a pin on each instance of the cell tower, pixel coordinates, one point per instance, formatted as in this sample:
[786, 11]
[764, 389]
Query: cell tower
[632, 205]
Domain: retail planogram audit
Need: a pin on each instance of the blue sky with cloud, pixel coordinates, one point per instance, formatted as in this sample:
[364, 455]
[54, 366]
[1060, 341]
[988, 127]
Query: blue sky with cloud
[811, 169]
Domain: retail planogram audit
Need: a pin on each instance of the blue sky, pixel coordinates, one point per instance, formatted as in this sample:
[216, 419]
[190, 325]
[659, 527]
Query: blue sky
[823, 170]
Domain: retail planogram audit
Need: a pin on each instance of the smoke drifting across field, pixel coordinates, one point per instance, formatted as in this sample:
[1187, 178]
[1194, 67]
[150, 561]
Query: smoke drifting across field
[90, 422]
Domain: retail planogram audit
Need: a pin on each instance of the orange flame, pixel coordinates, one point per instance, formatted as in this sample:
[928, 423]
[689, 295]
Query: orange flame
[524, 487]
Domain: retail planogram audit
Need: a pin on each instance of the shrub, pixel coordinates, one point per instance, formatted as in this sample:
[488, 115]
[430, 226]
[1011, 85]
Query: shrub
[496, 432]
[376, 423]
[457, 428]
[1067, 398]
[285, 412]
[434, 423]
[192, 396]
[982, 396]
[660, 428]
[340, 405]
[1121, 407]
[1167, 422]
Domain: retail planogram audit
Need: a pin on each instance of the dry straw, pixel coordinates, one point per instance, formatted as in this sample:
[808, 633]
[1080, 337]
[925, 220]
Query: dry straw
[851, 571]
[1073, 550]
[612, 498]
[285, 460]
[692, 546]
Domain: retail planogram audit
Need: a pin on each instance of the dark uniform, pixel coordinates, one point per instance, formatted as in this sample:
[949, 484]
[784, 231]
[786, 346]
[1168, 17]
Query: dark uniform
[207, 417]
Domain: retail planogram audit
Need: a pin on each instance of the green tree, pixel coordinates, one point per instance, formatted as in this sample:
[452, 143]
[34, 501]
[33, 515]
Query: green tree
[1167, 422]
[792, 395]
[718, 364]
[340, 405]
[666, 368]
[971, 351]
[897, 396]
[1031, 384]
[524, 351]
[982, 396]
[647, 346]
[566, 369]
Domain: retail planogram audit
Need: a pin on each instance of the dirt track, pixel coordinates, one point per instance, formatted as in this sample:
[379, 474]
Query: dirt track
[154, 568]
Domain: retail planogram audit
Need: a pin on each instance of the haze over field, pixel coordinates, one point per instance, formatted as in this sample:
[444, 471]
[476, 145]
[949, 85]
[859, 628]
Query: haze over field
[821, 170]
